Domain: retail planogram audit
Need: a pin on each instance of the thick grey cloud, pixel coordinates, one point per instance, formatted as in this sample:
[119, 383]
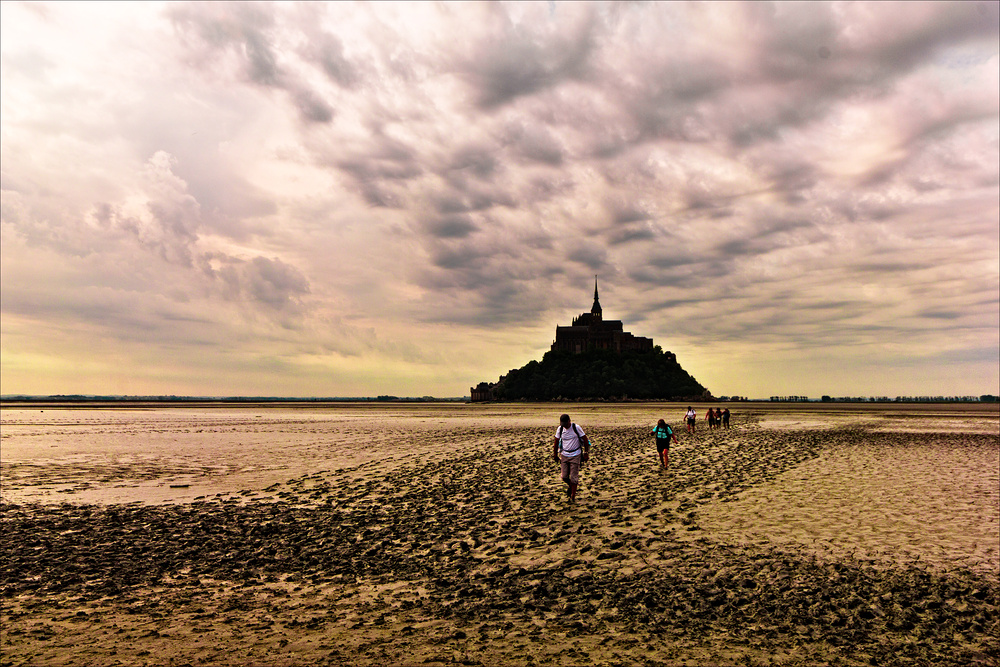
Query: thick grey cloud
[328, 51]
[455, 226]
[509, 59]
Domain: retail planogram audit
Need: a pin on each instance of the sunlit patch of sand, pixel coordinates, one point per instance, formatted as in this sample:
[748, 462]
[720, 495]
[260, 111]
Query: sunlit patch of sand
[941, 424]
[805, 422]
[930, 500]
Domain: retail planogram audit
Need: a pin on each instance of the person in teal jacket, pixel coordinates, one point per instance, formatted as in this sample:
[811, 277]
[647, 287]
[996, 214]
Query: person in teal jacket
[663, 434]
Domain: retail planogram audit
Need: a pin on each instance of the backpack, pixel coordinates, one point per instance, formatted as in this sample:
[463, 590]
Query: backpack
[579, 435]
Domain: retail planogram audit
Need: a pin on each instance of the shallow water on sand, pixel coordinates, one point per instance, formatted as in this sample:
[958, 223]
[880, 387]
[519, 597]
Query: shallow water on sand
[166, 454]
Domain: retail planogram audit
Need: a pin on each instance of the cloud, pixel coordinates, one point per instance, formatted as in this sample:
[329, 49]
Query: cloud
[164, 219]
[328, 51]
[451, 227]
[306, 184]
[272, 281]
[246, 33]
[511, 57]
[535, 143]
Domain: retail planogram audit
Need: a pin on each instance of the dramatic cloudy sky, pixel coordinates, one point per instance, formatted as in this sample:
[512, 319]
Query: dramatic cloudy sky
[357, 199]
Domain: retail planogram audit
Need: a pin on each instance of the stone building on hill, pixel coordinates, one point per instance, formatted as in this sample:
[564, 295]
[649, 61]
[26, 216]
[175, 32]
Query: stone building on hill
[590, 331]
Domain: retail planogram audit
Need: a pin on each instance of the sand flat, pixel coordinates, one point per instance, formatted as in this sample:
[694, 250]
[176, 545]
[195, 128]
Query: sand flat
[937, 502]
[439, 535]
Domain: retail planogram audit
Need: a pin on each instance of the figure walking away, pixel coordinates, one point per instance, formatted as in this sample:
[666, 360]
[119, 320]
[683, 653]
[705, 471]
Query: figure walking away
[663, 434]
[718, 418]
[570, 448]
[710, 418]
[691, 418]
[725, 418]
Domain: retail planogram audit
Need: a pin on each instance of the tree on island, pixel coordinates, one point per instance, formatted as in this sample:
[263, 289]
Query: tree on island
[599, 375]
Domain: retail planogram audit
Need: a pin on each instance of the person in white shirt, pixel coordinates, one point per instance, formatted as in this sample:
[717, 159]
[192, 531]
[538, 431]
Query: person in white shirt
[570, 448]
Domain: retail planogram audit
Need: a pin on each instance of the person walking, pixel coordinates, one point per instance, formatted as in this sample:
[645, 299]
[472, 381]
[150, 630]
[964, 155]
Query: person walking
[710, 418]
[570, 449]
[663, 434]
[691, 417]
[725, 418]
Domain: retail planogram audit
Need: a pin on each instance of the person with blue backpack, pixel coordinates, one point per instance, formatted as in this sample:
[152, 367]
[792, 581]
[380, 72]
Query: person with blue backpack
[570, 449]
[663, 434]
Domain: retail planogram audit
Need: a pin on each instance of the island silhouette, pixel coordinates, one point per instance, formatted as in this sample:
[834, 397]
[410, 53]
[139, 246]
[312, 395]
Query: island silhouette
[596, 359]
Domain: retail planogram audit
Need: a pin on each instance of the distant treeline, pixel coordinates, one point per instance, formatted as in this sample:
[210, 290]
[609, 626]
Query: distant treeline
[85, 398]
[598, 375]
[985, 398]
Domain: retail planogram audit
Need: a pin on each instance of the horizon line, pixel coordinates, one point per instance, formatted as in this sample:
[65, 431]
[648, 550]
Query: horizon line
[385, 398]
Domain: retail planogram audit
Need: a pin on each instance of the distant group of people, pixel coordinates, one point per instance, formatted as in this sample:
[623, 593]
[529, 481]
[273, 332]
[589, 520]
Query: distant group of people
[571, 446]
[716, 418]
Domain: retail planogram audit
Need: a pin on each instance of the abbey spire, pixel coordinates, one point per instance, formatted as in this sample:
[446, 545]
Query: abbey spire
[596, 309]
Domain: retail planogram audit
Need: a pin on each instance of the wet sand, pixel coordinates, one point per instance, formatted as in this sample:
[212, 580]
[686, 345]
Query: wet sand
[440, 535]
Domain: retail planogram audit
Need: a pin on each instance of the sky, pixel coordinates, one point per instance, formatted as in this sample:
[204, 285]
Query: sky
[344, 199]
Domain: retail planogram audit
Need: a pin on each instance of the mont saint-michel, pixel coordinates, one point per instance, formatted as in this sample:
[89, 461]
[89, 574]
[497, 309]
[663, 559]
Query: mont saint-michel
[596, 359]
